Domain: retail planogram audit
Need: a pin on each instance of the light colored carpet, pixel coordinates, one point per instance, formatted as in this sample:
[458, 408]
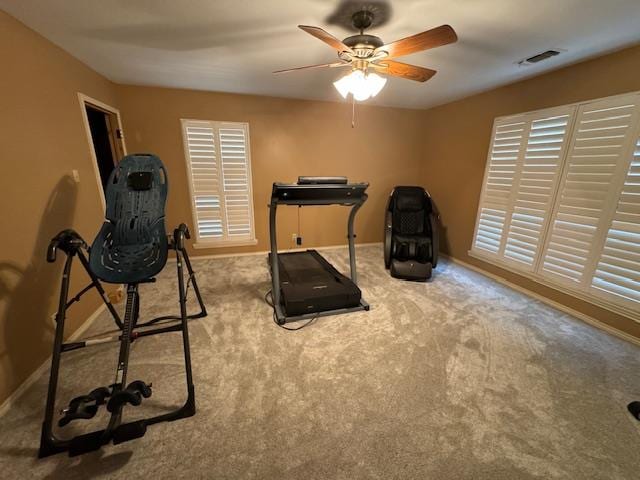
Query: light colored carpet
[457, 378]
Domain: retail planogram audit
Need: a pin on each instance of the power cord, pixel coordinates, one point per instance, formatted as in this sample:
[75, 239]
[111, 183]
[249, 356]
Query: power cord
[268, 298]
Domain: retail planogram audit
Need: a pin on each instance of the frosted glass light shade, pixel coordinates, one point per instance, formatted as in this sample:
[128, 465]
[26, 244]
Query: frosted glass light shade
[361, 86]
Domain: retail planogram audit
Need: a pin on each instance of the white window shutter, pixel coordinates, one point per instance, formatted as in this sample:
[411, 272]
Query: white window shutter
[592, 171]
[560, 202]
[505, 154]
[205, 184]
[218, 158]
[536, 185]
[523, 167]
[618, 270]
[236, 179]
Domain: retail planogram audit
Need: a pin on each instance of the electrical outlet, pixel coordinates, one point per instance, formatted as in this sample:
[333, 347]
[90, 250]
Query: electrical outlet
[294, 237]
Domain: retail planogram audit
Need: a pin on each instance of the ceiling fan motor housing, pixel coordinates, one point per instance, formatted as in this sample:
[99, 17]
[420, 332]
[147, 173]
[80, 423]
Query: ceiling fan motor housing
[363, 45]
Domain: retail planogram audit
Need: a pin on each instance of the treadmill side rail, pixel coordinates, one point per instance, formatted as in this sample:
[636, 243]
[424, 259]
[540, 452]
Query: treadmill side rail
[282, 318]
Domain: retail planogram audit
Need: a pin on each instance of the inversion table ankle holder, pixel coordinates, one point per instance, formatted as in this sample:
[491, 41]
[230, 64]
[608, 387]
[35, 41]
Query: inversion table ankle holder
[131, 248]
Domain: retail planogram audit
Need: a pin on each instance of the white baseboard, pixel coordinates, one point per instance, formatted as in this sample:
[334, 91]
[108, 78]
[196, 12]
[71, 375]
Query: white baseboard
[558, 306]
[266, 252]
[17, 393]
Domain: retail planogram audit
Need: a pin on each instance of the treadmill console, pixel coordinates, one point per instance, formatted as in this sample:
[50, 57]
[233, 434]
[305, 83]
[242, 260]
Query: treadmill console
[322, 180]
[318, 193]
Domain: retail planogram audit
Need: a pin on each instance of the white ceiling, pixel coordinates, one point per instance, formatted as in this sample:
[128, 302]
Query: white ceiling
[233, 45]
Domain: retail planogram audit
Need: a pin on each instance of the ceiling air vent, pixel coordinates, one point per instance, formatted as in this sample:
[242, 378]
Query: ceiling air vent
[539, 57]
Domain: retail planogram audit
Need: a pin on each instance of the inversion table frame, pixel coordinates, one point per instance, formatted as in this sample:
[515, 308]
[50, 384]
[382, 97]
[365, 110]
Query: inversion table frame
[73, 245]
[131, 248]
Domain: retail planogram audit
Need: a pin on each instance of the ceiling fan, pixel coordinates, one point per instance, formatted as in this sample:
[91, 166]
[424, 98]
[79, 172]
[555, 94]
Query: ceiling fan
[368, 54]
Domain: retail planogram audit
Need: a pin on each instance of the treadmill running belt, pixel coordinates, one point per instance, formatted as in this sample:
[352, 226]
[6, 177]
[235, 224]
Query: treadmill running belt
[310, 284]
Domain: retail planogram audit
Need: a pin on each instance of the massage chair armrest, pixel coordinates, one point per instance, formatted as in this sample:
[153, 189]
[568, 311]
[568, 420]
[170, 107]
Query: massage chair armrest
[179, 235]
[68, 241]
[388, 238]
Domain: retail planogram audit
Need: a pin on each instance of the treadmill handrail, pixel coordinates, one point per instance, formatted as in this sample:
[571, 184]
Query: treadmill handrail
[318, 194]
[347, 202]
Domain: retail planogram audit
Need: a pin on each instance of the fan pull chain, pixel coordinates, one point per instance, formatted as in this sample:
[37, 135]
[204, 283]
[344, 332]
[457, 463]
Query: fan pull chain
[353, 111]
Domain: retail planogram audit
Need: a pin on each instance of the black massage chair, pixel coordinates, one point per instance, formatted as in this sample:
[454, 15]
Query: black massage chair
[410, 234]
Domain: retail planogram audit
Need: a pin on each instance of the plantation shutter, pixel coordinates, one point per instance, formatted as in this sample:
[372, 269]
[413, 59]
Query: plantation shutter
[205, 184]
[236, 181]
[525, 159]
[220, 180]
[505, 154]
[618, 270]
[594, 167]
[537, 181]
[561, 200]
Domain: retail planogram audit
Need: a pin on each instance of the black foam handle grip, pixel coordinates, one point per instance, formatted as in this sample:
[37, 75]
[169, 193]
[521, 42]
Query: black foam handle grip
[179, 234]
[68, 241]
[51, 251]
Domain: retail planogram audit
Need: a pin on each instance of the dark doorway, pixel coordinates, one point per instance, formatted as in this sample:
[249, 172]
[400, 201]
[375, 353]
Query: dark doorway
[106, 138]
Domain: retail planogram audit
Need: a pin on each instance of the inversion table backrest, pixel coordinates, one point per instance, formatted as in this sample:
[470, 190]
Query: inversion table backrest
[132, 244]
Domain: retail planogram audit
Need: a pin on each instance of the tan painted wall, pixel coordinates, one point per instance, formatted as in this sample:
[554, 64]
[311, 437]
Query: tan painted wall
[457, 137]
[42, 139]
[288, 138]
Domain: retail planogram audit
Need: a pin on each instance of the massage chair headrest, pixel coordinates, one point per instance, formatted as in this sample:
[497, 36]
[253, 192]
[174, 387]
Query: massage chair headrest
[411, 199]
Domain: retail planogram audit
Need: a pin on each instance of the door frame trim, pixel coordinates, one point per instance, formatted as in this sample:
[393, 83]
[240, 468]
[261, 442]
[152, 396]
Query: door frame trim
[84, 100]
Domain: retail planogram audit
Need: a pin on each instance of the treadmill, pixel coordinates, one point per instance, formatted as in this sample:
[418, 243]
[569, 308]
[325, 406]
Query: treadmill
[304, 284]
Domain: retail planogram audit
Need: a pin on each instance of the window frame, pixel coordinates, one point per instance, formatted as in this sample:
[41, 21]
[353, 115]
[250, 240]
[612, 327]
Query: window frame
[588, 293]
[203, 243]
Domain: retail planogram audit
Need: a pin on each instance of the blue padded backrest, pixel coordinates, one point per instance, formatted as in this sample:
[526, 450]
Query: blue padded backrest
[132, 243]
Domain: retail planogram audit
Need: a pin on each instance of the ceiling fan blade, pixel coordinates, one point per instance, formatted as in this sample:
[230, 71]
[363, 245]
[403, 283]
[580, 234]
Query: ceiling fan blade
[332, 65]
[397, 69]
[436, 37]
[326, 38]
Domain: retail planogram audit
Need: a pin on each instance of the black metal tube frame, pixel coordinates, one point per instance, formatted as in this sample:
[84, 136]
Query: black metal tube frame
[51, 444]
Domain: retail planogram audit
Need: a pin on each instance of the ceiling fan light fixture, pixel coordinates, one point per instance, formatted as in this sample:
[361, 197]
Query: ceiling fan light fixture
[362, 86]
[376, 83]
[344, 85]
